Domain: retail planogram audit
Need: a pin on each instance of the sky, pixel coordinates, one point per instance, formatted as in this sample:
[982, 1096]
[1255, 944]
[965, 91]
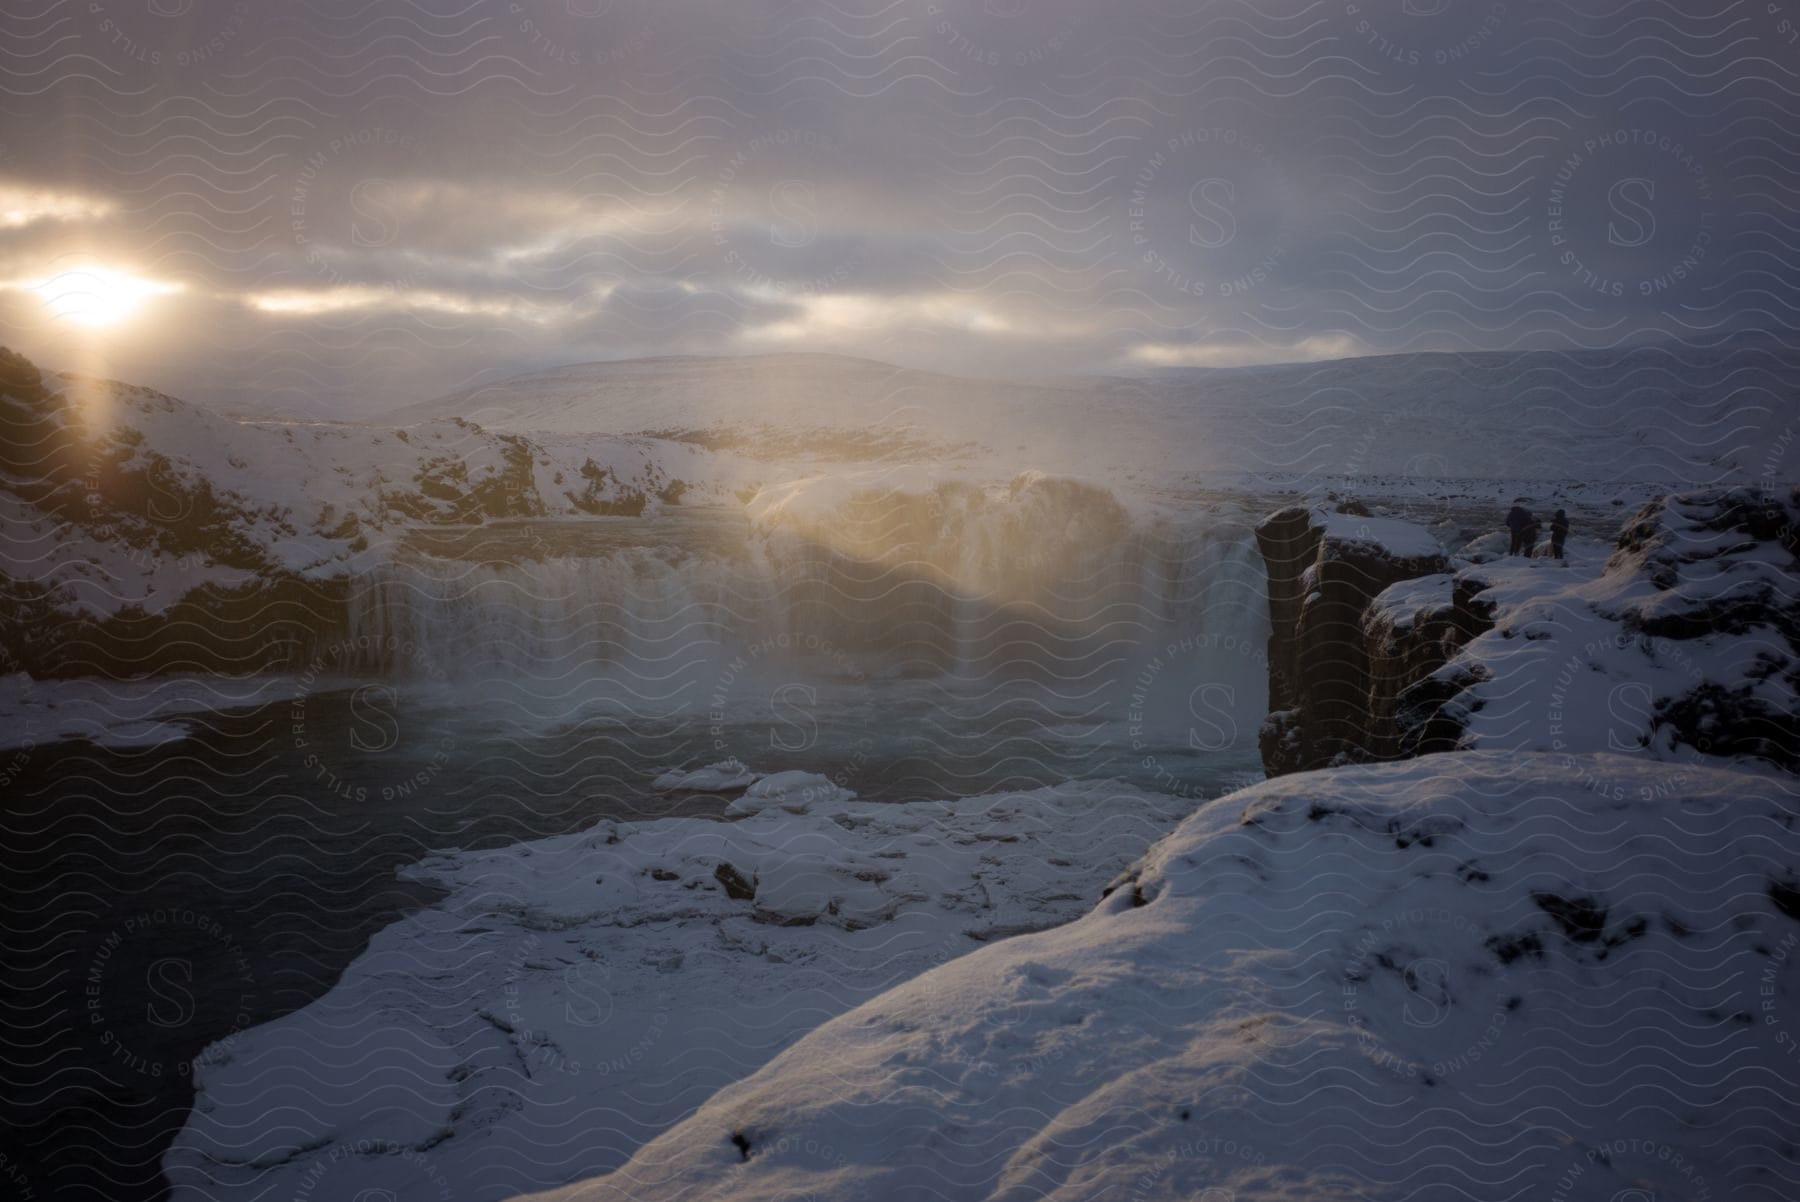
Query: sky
[340, 206]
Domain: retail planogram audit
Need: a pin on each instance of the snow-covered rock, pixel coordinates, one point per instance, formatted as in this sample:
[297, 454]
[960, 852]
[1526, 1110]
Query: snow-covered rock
[1480, 975]
[726, 776]
[1683, 643]
[1485, 548]
[1682, 639]
[124, 713]
[572, 998]
[140, 533]
[1391, 538]
[793, 791]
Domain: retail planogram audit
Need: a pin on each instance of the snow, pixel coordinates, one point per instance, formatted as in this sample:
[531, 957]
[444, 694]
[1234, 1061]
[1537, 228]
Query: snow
[1396, 539]
[1570, 666]
[572, 998]
[726, 776]
[1417, 421]
[794, 791]
[1486, 548]
[1387, 982]
[1368, 983]
[1399, 605]
[123, 713]
[799, 434]
[317, 499]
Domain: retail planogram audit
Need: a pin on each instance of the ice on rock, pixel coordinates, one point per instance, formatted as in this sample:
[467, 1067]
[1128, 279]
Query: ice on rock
[1400, 605]
[795, 792]
[1486, 548]
[722, 777]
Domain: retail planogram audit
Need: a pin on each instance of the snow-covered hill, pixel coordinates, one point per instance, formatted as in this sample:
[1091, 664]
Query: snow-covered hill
[1389, 982]
[1660, 414]
[1468, 976]
[576, 996]
[118, 499]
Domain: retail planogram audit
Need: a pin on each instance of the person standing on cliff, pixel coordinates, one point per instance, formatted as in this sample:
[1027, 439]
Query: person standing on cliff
[1518, 520]
[1559, 533]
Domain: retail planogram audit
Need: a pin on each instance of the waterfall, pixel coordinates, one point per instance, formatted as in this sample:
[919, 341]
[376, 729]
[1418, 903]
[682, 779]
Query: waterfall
[1046, 585]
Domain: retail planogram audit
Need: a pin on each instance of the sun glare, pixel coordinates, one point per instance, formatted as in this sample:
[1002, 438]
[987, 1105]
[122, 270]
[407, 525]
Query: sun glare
[98, 296]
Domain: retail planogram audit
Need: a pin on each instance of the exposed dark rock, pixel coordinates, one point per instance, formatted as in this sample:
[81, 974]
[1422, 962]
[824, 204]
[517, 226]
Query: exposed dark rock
[1508, 948]
[1404, 646]
[1367, 675]
[268, 624]
[1430, 714]
[738, 887]
[1786, 896]
[108, 498]
[1412, 632]
[1735, 721]
[1321, 666]
[1581, 919]
[1723, 562]
[109, 484]
[604, 496]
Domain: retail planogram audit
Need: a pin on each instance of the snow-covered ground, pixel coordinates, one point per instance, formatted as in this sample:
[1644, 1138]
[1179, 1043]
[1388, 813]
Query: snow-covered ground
[574, 997]
[123, 713]
[1677, 643]
[1380, 982]
[1662, 414]
[1465, 976]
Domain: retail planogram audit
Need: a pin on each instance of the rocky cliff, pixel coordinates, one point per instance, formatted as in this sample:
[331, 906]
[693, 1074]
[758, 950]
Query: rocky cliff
[1324, 571]
[140, 534]
[1679, 641]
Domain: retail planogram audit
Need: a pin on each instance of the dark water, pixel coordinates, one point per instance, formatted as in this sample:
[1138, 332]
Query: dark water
[160, 899]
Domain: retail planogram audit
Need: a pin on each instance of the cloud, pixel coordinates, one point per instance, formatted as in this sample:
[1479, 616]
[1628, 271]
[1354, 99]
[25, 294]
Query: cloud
[1238, 354]
[353, 298]
[24, 204]
[375, 205]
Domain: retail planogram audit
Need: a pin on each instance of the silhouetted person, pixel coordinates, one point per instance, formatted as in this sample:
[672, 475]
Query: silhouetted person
[1533, 532]
[1518, 520]
[1559, 533]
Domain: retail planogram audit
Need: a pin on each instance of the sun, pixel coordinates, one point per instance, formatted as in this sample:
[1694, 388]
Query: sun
[98, 296]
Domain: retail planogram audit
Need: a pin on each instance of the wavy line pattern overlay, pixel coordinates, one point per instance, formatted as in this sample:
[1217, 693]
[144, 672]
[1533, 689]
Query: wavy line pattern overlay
[694, 599]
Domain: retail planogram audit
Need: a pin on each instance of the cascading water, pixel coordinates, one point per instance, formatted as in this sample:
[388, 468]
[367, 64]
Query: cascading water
[1033, 621]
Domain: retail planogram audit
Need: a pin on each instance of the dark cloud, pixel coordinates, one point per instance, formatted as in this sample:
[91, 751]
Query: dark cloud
[364, 203]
